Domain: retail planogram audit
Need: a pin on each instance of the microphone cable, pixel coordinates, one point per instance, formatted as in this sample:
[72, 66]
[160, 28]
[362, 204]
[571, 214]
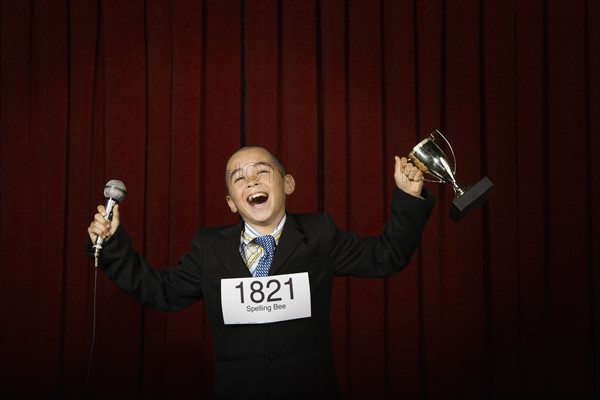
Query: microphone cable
[114, 192]
[92, 345]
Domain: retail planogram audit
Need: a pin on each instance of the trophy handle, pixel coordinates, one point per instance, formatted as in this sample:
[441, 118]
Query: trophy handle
[449, 145]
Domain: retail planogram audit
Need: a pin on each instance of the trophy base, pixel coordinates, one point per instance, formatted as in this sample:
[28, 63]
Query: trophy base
[470, 199]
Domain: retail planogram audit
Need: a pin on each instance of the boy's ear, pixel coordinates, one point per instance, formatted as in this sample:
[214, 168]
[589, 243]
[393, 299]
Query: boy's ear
[290, 184]
[231, 204]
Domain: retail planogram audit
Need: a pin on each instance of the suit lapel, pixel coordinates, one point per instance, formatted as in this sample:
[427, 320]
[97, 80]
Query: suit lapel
[228, 250]
[288, 242]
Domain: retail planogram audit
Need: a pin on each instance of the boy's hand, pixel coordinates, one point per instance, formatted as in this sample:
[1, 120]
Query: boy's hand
[101, 227]
[408, 177]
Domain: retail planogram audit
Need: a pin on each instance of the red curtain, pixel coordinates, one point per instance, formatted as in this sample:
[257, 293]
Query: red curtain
[158, 93]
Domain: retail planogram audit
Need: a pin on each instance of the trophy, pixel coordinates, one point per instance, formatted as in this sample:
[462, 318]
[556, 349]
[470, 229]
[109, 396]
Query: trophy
[429, 158]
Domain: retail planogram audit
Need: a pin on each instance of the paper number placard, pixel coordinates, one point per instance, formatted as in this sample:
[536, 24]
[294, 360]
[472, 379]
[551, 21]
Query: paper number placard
[268, 299]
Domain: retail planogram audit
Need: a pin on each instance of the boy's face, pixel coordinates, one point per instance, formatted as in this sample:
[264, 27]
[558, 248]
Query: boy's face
[257, 190]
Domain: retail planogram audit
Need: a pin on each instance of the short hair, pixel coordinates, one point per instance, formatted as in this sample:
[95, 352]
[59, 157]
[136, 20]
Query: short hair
[274, 161]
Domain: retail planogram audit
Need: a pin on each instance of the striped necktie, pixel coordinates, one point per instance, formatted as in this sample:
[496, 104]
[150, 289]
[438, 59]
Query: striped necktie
[267, 242]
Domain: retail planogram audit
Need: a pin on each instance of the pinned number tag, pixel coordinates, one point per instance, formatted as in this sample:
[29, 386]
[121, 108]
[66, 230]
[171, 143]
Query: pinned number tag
[263, 300]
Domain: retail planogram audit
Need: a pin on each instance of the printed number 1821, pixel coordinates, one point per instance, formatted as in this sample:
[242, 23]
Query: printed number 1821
[260, 291]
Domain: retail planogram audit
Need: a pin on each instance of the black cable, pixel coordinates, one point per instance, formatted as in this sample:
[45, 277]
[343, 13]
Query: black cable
[89, 367]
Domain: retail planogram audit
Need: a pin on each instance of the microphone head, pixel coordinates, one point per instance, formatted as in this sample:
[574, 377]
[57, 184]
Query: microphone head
[115, 190]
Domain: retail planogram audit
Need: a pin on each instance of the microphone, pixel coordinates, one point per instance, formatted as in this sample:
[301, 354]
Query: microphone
[114, 192]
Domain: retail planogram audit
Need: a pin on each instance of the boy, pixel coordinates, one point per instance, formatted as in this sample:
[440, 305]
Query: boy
[267, 281]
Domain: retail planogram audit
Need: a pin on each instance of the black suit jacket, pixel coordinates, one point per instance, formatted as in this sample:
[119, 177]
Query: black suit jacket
[290, 359]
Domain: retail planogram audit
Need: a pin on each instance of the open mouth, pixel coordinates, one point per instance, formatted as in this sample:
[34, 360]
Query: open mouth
[257, 198]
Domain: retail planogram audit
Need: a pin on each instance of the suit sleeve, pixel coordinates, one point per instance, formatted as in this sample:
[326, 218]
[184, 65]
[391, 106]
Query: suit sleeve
[167, 289]
[392, 250]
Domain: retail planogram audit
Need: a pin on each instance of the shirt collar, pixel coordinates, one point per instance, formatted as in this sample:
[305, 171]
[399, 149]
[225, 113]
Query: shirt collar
[249, 233]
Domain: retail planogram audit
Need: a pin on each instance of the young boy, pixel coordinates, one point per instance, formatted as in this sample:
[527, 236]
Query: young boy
[267, 281]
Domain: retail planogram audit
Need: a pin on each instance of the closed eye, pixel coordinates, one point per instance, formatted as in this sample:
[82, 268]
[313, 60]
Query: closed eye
[238, 178]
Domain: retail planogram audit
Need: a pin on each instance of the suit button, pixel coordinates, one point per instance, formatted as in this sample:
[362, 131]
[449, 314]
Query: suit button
[273, 358]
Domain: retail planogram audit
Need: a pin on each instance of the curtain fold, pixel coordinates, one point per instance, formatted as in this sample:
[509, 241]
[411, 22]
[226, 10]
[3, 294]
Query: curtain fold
[158, 94]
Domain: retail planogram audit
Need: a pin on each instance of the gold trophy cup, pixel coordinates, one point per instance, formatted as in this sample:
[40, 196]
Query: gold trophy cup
[429, 158]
